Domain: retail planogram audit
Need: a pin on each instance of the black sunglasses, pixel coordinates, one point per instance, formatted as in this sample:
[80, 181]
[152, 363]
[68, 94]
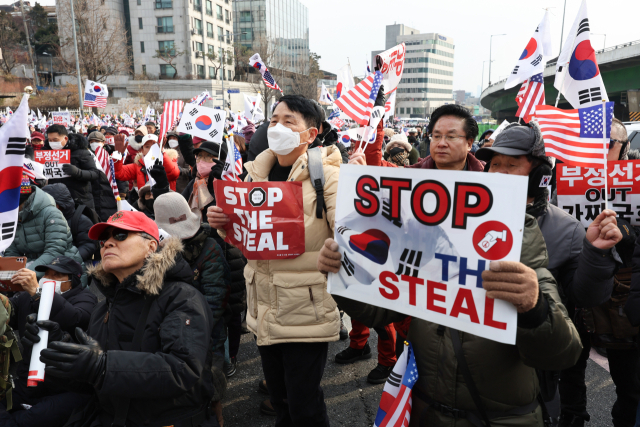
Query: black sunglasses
[118, 234]
[612, 142]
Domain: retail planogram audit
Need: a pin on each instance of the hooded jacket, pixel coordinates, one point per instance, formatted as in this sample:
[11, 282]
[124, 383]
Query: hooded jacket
[170, 379]
[86, 246]
[42, 233]
[80, 185]
[505, 375]
[136, 171]
[287, 300]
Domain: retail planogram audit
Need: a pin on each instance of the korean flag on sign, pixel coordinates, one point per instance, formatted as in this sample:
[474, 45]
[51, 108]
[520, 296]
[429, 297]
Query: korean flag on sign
[532, 59]
[203, 122]
[96, 89]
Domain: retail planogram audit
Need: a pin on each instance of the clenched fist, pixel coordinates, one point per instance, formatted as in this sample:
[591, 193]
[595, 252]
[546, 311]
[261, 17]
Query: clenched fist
[513, 282]
[329, 258]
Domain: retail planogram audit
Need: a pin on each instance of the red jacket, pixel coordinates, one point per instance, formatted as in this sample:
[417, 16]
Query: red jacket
[373, 152]
[136, 170]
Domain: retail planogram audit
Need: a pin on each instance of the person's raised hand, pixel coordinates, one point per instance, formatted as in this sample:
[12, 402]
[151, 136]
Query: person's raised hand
[512, 281]
[329, 257]
[358, 158]
[217, 218]
[603, 232]
[159, 174]
[27, 279]
[119, 142]
[216, 169]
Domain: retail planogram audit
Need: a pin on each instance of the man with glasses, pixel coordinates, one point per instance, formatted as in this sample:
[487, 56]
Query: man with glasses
[146, 352]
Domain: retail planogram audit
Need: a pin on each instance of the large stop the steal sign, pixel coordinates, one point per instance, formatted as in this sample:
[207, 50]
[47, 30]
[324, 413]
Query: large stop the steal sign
[267, 218]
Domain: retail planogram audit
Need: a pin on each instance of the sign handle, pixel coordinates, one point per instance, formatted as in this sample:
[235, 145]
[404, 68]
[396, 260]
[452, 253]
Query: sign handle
[604, 143]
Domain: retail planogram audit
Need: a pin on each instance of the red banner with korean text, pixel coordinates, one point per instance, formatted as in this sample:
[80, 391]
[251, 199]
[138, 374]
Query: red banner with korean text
[267, 218]
[52, 161]
[581, 190]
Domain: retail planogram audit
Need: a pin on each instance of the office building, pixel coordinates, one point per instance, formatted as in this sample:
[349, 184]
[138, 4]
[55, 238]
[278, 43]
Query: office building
[283, 25]
[427, 80]
[195, 27]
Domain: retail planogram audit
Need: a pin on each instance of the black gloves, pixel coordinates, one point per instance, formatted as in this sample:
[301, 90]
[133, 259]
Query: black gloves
[71, 170]
[81, 362]
[158, 173]
[380, 100]
[216, 170]
[216, 173]
[31, 331]
[185, 142]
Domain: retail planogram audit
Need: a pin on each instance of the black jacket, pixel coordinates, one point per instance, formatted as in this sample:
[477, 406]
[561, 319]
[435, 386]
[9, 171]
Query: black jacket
[80, 185]
[170, 379]
[70, 310]
[236, 261]
[259, 142]
[103, 198]
[79, 233]
[328, 137]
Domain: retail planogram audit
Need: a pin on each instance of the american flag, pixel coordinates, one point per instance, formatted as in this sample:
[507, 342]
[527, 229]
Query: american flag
[200, 99]
[358, 102]
[256, 62]
[107, 166]
[170, 117]
[575, 136]
[335, 113]
[396, 401]
[94, 101]
[231, 170]
[531, 94]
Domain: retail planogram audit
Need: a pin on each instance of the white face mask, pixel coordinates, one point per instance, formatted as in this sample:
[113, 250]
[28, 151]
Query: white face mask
[173, 143]
[58, 284]
[283, 140]
[95, 145]
[55, 145]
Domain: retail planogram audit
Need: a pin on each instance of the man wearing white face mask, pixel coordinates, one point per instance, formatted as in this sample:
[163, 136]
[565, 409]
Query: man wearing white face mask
[293, 338]
[72, 307]
[81, 169]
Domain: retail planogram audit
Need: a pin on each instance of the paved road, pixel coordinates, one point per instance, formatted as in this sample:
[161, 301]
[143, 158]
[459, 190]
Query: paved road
[353, 402]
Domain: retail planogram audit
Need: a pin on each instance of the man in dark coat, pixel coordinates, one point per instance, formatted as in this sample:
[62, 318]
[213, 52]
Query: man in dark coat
[77, 221]
[72, 307]
[146, 357]
[81, 169]
[103, 198]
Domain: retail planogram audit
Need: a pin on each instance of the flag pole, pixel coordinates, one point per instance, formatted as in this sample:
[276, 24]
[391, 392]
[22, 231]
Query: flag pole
[604, 143]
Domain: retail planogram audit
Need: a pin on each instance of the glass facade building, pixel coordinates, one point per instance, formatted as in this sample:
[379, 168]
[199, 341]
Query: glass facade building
[282, 25]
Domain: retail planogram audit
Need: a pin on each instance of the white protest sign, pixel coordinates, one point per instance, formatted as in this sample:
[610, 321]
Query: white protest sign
[151, 157]
[417, 242]
[357, 134]
[52, 161]
[391, 65]
[61, 118]
[203, 122]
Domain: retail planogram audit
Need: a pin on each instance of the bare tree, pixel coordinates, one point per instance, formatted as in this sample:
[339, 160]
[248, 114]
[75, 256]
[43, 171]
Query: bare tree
[9, 42]
[169, 56]
[216, 63]
[305, 80]
[103, 50]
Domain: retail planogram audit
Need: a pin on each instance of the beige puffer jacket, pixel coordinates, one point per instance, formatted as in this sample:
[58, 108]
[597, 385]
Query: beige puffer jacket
[287, 300]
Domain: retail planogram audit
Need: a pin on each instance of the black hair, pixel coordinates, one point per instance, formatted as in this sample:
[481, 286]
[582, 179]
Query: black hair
[311, 112]
[59, 129]
[470, 124]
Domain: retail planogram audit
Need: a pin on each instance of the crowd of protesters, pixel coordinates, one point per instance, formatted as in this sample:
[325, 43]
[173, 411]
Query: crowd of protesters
[151, 303]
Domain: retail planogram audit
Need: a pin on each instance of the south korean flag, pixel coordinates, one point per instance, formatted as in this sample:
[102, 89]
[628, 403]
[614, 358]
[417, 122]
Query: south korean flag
[95, 88]
[532, 59]
[203, 122]
[13, 137]
[402, 246]
[578, 76]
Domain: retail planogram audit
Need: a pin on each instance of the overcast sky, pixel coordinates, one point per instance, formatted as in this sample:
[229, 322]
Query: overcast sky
[353, 28]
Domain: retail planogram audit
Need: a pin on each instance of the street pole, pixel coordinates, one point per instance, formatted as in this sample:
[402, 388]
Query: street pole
[490, 46]
[562, 29]
[26, 31]
[75, 48]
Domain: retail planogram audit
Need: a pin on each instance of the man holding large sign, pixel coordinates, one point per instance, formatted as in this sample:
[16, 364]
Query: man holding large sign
[288, 306]
[498, 380]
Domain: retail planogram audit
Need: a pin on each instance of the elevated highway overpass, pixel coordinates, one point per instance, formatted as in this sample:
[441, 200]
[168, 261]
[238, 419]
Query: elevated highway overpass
[620, 68]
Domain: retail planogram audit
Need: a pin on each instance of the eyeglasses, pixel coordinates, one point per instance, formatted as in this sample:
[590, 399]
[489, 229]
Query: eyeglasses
[449, 138]
[118, 234]
[612, 142]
